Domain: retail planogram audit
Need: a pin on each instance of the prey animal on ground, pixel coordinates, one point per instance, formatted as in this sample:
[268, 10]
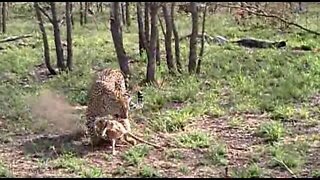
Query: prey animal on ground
[114, 130]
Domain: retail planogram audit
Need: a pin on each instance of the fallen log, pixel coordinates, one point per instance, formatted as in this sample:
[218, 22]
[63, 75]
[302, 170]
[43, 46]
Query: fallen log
[256, 43]
[14, 38]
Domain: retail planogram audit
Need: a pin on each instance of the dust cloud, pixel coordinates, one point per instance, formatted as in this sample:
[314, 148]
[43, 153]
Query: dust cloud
[52, 113]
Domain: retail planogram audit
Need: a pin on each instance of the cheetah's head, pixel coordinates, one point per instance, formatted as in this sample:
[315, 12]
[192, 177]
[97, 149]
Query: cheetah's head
[124, 106]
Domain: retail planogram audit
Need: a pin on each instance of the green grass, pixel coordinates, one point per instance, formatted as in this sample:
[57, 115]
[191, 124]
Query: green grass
[316, 173]
[78, 166]
[236, 122]
[70, 162]
[93, 172]
[217, 154]
[120, 171]
[136, 154]
[184, 169]
[147, 171]
[171, 120]
[252, 171]
[292, 155]
[194, 139]
[5, 172]
[272, 131]
[174, 154]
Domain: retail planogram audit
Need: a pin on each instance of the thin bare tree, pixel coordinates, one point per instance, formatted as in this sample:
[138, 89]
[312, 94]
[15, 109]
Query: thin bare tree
[202, 39]
[85, 15]
[4, 17]
[162, 27]
[123, 13]
[69, 35]
[158, 57]
[128, 20]
[153, 43]
[176, 39]
[116, 32]
[142, 38]
[71, 12]
[44, 39]
[168, 37]
[57, 37]
[99, 6]
[1, 18]
[146, 23]
[193, 38]
[81, 14]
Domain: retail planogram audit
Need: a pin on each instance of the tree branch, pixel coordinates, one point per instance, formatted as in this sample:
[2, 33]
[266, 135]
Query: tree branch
[161, 25]
[45, 14]
[260, 12]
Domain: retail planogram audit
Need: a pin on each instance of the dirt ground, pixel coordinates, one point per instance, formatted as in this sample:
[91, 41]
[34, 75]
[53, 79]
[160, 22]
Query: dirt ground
[24, 152]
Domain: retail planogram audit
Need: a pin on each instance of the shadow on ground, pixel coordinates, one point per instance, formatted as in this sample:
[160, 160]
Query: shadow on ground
[51, 147]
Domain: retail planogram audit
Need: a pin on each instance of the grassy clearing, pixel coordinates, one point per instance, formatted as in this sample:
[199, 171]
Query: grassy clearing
[279, 83]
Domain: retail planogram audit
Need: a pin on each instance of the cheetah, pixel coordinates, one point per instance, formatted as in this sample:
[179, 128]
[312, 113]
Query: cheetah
[107, 96]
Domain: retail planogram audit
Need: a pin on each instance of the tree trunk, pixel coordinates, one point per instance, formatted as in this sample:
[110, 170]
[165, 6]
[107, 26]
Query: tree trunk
[202, 39]
[142, 38]
[71, 12]
[97, 6]
[161, 25]
[176, 40]
[69, 35]
[8, 6]
[81, 14]
[158, 57]
[1, 17]
[168, 37]
[193, 39]
[4, 17]
[153, 42]
[57, 38]
[123, 17]
[300, 6]
[101, 7]
[85, 12]
[146, 23]
[115, 23]
[44, 39]
[128, 20]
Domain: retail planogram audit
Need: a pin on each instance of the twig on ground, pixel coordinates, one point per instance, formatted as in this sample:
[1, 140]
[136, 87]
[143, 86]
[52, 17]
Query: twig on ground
[284, 165]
